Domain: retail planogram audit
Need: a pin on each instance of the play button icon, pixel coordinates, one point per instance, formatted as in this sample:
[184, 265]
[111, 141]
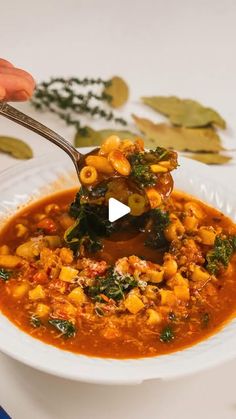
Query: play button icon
[116, 210]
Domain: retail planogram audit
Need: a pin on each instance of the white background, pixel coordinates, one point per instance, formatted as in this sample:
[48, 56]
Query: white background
[181, 47]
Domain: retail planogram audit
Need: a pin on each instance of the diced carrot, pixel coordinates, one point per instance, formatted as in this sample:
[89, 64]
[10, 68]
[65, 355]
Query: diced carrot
[40, 277]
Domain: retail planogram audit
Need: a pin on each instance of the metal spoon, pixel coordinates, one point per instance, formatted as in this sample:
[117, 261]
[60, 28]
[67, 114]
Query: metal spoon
[22, 119]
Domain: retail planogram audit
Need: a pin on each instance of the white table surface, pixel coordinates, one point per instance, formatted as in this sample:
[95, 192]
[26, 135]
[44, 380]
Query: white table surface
[182, 47]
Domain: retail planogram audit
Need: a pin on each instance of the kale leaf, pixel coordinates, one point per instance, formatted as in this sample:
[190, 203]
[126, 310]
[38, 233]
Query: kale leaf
[221, 254]
[5, 275]
[157, 155]
[99, 190]
[91, 224]
[140, 165]
[112, 285]
[75, 207]
[160, 220]
[167, 334]
[141, 171]
[64, 326]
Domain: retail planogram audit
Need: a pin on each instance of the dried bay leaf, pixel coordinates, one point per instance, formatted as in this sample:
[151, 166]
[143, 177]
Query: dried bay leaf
[185, 112]
[87, 138]
[118, 90]
[210, 158]
[93, 138]
[17, 148]
[178, 138]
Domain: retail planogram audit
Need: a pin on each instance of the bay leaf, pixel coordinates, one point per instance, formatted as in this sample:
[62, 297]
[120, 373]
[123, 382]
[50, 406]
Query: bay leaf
[178, 138]
[17, 148]
[185, 112]
[94, 138]
[118, 90]
[210, 158]
[90, 138]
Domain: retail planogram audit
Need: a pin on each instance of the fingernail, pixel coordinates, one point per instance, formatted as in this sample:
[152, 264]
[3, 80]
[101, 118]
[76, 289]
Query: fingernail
[20, 95]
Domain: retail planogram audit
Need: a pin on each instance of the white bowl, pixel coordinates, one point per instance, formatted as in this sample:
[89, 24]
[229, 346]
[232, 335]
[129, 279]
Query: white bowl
[40, 177]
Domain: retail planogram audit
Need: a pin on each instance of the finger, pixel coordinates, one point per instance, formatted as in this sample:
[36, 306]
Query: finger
[17, 72]
[2, 93]
[16, 87]
[18, 96]
[5, 63]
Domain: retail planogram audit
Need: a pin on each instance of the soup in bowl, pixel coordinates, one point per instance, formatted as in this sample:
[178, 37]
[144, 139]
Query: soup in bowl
[137, 291]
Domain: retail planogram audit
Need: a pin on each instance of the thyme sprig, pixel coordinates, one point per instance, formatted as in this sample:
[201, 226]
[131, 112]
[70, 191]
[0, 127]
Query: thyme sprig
[69, 98]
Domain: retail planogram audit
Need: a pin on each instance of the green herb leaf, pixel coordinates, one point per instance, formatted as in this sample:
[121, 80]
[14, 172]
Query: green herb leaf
[17, 148]
[158, 221]
[91, 224]
[118, 92]
[185, 112]
[181, 139]
[64, 326]
[210, 158]
[167, 334]
[5, 275]
[141, 171]
[92, 138]
[221, 254]
[99, 190]
[35, 321]
[141, 165]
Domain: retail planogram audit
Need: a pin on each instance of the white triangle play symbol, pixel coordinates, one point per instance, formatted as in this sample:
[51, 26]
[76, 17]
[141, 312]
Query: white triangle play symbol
[116, 209]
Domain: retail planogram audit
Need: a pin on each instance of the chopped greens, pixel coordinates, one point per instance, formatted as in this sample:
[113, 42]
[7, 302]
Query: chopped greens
[140, 166]
[99, 190]
[35, 321]
[160, 220]
[91, 224]
[140, 171]
[157, 155]
[221, 253]
[64, 326]
[5, 275]
[167, 334]
[112, 285]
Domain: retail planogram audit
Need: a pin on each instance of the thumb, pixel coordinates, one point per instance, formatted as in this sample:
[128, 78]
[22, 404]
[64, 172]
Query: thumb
[2, 93]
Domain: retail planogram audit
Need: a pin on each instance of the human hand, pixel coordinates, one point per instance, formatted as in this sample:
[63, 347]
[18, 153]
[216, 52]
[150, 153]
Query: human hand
[15, 84]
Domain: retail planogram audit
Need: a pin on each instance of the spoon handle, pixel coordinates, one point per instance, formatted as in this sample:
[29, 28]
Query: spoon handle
[20, 118]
